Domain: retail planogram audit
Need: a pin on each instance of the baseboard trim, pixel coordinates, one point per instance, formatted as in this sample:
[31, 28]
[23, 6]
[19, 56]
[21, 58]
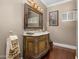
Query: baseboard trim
[64, 45]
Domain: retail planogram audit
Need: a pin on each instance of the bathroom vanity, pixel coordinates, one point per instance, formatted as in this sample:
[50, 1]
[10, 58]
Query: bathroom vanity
[35, 45]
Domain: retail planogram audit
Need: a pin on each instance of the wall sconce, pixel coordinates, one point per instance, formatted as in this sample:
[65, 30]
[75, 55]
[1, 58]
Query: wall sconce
[34, 5]
[41, 10]
[31, 2]
[38, 8]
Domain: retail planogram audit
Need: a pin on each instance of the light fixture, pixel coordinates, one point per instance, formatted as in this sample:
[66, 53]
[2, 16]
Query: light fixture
[38, 8]
[41, 9]
[34, 5]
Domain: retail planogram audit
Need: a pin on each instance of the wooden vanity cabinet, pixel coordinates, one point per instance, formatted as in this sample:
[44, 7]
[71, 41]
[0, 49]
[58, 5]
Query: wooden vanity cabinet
[34, 47]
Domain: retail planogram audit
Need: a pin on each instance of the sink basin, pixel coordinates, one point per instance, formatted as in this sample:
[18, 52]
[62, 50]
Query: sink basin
[35, 33]
[29, 33]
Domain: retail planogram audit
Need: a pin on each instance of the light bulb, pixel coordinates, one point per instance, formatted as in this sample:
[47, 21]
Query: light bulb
[35, 6]
[41, 9]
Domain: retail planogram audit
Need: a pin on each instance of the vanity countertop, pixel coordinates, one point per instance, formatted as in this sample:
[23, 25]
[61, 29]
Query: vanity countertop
[35, 33]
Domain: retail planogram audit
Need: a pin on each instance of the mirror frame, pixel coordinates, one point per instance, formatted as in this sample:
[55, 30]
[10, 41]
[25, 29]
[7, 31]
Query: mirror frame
[27, 8]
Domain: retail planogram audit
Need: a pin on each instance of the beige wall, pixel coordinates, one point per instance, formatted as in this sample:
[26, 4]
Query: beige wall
[65, 33]
[11, 19]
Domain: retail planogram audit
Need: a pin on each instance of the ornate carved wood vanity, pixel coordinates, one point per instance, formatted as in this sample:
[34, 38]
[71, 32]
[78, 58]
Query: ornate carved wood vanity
[35, 46]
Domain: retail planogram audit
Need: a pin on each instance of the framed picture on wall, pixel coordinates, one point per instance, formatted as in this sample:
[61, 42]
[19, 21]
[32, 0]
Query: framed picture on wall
[53, 18]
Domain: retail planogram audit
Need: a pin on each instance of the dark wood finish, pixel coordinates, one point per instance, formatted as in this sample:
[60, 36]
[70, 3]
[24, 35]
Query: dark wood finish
[27, 8]
[60, 53]
[35, 47]
[51, 44]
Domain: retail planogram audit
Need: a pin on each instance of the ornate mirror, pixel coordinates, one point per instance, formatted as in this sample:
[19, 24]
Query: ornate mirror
[33, 19]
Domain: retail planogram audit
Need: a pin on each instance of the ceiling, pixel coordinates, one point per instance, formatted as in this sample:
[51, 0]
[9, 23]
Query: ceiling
[49, 3]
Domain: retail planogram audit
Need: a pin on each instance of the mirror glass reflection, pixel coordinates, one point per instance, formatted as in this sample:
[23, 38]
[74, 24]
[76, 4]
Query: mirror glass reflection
[33, 19]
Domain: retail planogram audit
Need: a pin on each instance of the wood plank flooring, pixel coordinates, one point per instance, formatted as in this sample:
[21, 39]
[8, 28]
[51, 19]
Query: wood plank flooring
[60, 53]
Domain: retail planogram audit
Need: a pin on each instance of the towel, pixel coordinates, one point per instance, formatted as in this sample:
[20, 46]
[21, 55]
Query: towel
[12, 49]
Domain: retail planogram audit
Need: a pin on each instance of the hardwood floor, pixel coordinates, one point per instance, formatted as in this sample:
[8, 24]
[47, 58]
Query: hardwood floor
[60, 53]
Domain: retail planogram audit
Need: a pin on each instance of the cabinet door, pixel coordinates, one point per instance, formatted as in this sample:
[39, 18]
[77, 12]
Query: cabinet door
[36, 49]
[42, 43]
[30, 46]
